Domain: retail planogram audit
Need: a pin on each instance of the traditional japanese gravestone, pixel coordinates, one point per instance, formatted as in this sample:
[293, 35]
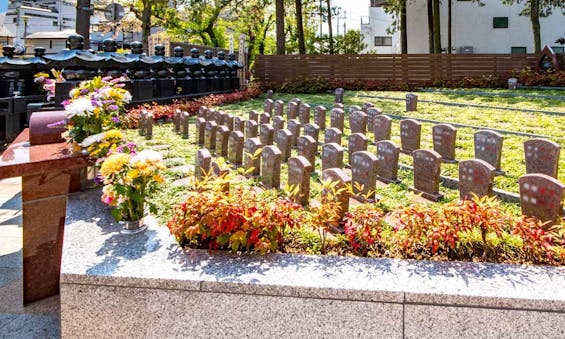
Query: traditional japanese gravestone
[297, 101]
[202, 165]
[339, 95]
[235, 147]
[320, 116]
[342, 181]
[264, 118]
[542, 156]
[200, 129]
[444, 136]
[387, 161]
[332, 156]
[239, 124]
[203, 112]
[332, 135]
[185, 123]
[337, 117]
[283, 139]
[411, 102]
[270, 94]
[271, 167]
[354, 108]
[541, 196]
[356, 142]
[308, 147]
[339, 105]
[141, 123]
[266, 134]
[381, 127]
[220, 117]
[278, 122]
[148, 125]
[210, 135]
[476, 177]
[292, 112]
[254, 115]
[279, 108]
[312, 130]
[252, 160]
[488, 147]
[364, 175]
[410, 132]
[366, 105]
[372, 112]
[358, 122]
[299, 170]
[210, 114]
[251, 129]
[427, 167]
[304, 113]
[177, 121]
[228, 121]
[268, 106]
[294, 126]
[222, 138]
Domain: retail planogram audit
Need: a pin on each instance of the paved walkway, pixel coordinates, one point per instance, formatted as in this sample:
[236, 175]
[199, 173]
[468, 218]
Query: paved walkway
[40, 319]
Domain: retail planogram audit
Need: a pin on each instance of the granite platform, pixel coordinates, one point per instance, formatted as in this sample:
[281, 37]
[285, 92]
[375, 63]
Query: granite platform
[144, 285]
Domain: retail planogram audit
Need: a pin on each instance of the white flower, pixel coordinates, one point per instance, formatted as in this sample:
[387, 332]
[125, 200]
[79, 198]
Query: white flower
[92, 139]
[127, 97]
[73, 92]
[147, 156]
[82, 106]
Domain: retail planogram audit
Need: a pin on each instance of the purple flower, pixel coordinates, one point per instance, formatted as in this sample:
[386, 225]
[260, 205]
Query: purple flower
[113, 108]
[99, 179]
[95, 103]
[84, 91]
[107, 78]
[109, 102]
[57, 124]
[116, 120]
[120, 85]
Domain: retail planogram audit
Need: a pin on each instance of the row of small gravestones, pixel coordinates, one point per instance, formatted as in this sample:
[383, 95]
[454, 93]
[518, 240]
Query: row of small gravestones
[238, 140]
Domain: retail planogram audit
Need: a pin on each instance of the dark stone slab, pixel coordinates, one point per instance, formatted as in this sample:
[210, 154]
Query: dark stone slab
[364, 175]
[381, 127]
[307, 147]
[476, 177]
[444, 136]
[278, 122]
[542, 156]
[410, 134]
[251, 129]
[294, 126]
[299, 170]
[200, 130]
[427, 167]
[387, 161]
[268, 106]
[266, 134]
[283, 139]
[222, 139]
[337, 118]
[320, 116]
[292, 112]
[279, 108]
[235, 147]
[304, 113]
[313, 131]
[210, 135]
[332, 135]
[541, 196]
[203, 162]
[251, 157]
[332, 156]
[358, 122]
[488, 147]
[356, 142]
[271, 167]
[341, 192]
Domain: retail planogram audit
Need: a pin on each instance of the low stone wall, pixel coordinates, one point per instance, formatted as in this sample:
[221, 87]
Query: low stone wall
[144, 285]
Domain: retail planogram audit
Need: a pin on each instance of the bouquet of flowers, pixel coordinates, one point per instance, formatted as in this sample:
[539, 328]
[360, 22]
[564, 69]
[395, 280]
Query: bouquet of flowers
[101, 145]
[95, 106]
[130, 179]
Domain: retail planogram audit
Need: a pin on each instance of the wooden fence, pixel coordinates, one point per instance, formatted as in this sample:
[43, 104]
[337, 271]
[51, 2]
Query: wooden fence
[408, 68]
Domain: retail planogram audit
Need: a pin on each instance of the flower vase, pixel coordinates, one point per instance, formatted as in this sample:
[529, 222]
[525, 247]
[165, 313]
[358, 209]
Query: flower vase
[133, 226]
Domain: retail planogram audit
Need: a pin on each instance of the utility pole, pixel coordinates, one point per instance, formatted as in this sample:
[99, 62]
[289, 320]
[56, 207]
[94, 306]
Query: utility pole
[344, 22]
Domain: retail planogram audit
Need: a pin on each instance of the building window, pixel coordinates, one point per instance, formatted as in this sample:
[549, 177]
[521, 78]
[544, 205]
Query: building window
[50, 43]
[55, 23]
[518, 50]
[558, 49]
[500, 22]
[383, 41]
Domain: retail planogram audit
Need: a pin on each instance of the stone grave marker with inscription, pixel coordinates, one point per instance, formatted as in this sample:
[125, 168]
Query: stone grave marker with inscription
[278, 122]
[410, 133]
[444, 136]
[356, 142]
[320, 116]
[332, 156]
[488, 147]
[354, 108]
[279, 108]
[542, 156]
[358, 122]
[313, 131]
[338, 95]
[203, 112]
[332, 135]
[210, 135]
[372, 112]
[252, 160]
[251, 129]
[177, 121]
[254, 115]
[337, 117]
[141, 123]
[381, 127]
[411, 102]
[476, 177]
[292, 111]
[387, 161]
[210, 114]
[239, 124]
[220, 117]
[268, 106]
[228, 121]
[235, 147]
[185, 123]
[307, 147]
[342, 181]
[200, 129]
[364, 175]
[203, 162]
[271, 167]
[541, 196]
[264, 118]
[219, 172]
[266, 134]
[222, 138]
[304, 113]
[283, 139]
[427, 167]
[299, 170]
[148, 125]
[270, 94]
[366, 105]
[294, 126]
[339, 105]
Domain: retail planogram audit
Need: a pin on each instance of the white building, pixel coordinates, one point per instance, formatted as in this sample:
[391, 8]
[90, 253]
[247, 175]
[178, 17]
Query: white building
[493, 28]
[374, 30]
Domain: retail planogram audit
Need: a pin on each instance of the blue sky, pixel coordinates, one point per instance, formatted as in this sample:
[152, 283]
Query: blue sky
[3, 6]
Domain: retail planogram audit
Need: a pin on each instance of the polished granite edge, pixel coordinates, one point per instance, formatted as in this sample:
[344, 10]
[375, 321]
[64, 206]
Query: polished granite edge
[95, 253]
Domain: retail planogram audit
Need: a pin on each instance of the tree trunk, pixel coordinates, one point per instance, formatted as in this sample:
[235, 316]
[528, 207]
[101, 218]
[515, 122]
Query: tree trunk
[330, 28]
[534, 17]
[300, 27]
[430, 26]
[449, 18]
[146, 25]
[279, 8]
[437, 28]
[403, 32]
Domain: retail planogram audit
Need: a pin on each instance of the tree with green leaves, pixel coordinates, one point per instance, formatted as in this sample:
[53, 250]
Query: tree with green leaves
[397, 9]
[279, 13]
[537, 9]
[146, 10]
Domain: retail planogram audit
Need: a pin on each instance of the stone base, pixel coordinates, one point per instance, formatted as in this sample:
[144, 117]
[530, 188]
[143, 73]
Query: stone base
[436, 196]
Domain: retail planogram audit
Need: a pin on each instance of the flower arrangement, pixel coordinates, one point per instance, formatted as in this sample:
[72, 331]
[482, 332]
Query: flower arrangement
[130, 179]
[101, 145]
[47, 83]
[95, 106]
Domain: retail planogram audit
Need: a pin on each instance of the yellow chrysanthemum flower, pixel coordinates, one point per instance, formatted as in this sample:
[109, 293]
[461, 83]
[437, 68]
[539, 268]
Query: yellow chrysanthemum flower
[114, 163]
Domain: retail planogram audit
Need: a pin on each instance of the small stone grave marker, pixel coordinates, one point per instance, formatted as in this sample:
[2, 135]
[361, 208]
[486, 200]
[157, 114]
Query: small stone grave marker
[235, 147]
[356, 142]
[185, 120]
[320, 116]
[266, 134]
[228, 121]
[541, 196]
[220, 172]
[358, 122]
[339, 105]
[210, 114]
[488, 147]
[271, 167]
[332, 156]
[203, 112]
[239, 124]
[210, 135]
[270, 94]
[476, 177]
[254, 115]
[299, 169]
[444, 136]
[307, 147]
[177, 121]
[278, 122]
[339, 95]
[292, 112]
[148, 125]
[427, 167]
[220, 117]
[313, 131]
[410, 133]
[268, 106]
[372, 112]
[294, 126]
[381, 127]
[283, 139]
[542, 156]
[364, 175]
[337, 117]
[332, 135]
[264, 118]
[251, 160]
[342, 181]
[304, 113]
[202, 165]
[251, 129]
[354, 108]
[279, 108]
[222, 138]
[200, 129]
[141, 123]
[387, 161]
[411, 102]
